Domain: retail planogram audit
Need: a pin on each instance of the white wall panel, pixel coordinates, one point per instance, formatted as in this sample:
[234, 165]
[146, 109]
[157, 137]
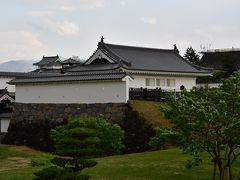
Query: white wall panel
[78, 92]
[140, 81]
[4, 124]
[3, 84]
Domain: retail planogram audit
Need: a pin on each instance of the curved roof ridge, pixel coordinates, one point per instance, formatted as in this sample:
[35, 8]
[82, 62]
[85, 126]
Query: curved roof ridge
[139, 47]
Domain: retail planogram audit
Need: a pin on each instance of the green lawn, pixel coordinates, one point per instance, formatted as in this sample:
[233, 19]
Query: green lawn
[166, 164]
[15, 164]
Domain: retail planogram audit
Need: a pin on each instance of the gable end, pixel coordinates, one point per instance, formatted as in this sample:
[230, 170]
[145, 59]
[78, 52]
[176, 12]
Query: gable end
[98, 55]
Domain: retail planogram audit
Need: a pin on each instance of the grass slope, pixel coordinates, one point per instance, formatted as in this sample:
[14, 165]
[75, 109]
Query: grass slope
[150, 110]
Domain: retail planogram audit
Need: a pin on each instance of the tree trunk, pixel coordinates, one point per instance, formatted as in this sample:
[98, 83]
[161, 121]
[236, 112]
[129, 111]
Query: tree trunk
[230, 172]
[76, 166]
[224, 174]
[220, 169]
[214, 170]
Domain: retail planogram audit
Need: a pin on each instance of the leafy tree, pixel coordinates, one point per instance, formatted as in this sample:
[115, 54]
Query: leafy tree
[192, 56]
[208, 120]
[217, 77]
[230, 65]
[163, 137]
[78, 141]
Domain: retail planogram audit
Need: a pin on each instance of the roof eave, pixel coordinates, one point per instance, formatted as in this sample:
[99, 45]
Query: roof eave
[67, 70]
[177, 73]
[69, 81]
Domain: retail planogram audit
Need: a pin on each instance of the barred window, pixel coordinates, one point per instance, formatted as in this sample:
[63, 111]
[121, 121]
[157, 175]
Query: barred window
[160, 82]
[171, 82]
[150, 82]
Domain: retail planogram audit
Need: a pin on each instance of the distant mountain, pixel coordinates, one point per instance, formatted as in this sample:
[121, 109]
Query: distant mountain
[17, 66]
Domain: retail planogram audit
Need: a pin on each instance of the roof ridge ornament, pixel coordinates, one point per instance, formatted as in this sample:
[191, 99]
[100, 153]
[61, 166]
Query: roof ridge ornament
[175, 48]
[102, 39]
[101, 42]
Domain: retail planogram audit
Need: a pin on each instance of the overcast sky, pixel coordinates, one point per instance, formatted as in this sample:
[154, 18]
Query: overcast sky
[30, 29]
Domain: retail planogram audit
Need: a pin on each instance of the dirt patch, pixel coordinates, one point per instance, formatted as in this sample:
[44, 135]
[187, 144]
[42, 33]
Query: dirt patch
[14, 163]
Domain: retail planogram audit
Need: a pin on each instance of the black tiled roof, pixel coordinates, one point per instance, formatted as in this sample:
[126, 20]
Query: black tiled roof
[221, 60]
[154, 59]
[148, 59]
[110, 71]
[13, 74]
[84, 76]
[93, 67]
[50, 60]
[25, 75]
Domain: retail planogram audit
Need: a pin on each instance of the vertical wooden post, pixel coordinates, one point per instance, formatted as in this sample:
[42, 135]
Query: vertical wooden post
[175, 95]
[141, 93]
[160, 94]
[145, 94]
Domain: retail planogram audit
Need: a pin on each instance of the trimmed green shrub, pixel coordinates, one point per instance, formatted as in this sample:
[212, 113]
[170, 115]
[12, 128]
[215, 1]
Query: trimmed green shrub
[163, 137]
[42, 160]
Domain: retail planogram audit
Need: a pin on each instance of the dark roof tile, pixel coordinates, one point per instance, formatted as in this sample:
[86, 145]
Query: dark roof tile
[221, 60]
[25, 75]
[48, 60]
[143, 59]
[87, 76]
[93, 67]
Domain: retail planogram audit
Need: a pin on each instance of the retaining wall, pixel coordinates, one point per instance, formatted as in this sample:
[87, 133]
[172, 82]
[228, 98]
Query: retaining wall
[31, 123]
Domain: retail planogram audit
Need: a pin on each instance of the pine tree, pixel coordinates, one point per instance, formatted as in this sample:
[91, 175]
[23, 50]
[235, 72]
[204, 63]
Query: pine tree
[76, 143]
[192, 56]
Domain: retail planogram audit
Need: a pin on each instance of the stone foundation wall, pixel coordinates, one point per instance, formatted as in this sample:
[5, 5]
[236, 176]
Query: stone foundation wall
[31, 123]
[114, 112]
[1, 136]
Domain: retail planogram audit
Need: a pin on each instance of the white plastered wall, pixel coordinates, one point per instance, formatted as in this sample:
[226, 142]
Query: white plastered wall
[4, 123]
[3, 84]
[140, 81]
[77, 92]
